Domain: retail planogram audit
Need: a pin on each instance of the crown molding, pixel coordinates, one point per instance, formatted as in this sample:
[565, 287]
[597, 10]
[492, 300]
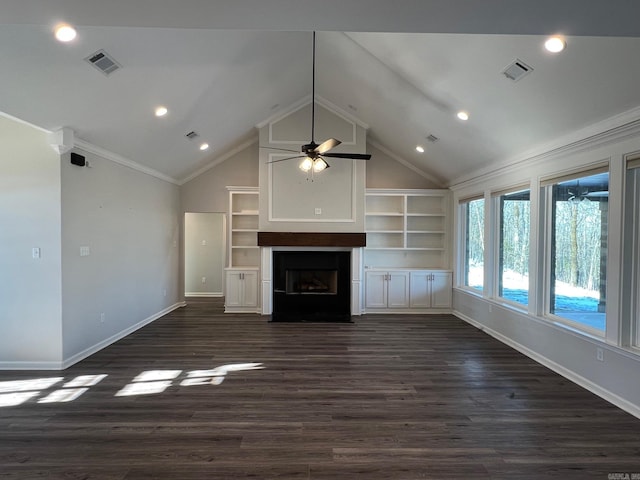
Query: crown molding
[219, 160]
[404, 162]
[24, 122]
[611, 130]
[119, 159]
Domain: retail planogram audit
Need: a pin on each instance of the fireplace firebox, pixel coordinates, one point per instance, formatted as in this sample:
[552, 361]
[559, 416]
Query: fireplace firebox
[311, 286]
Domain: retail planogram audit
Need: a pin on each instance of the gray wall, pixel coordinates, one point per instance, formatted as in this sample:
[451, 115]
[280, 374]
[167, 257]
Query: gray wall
[30, 289]
[207, 192]
[384, 171]
[131, 222]
[204, 253]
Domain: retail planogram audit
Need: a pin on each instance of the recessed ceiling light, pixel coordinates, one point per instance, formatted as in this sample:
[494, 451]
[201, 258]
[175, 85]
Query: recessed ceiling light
[204, 146]
[555, 44]
[161, 111]
[65, 33]
[420, 149]
[462, 115]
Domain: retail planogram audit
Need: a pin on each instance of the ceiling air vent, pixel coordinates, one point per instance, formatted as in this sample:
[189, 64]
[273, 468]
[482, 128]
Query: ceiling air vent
[432, 138]
[517, 70]
[191, 135]
[103, 62]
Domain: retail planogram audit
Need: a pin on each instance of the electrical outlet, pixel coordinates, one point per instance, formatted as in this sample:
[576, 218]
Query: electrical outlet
[35, 252]
[318, 211]
[204, 243]
[600, 354]
[164, 292]
[102, 317]
[204, 279]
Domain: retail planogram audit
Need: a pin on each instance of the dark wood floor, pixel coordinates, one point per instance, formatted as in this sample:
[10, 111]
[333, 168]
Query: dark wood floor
[387, 397]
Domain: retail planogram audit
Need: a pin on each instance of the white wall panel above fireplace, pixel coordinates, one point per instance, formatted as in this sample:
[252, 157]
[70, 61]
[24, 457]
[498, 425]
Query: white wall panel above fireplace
[294, 201]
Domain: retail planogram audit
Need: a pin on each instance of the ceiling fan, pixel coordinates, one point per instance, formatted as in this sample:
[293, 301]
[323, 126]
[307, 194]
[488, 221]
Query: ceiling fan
[314, 154]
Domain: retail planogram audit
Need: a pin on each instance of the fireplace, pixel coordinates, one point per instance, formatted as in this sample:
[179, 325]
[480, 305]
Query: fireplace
[311, 286]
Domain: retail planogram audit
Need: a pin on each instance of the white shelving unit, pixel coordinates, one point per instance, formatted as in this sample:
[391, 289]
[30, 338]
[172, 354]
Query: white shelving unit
[407, 254]
[243, 230]
[244, 254]
[407, 228]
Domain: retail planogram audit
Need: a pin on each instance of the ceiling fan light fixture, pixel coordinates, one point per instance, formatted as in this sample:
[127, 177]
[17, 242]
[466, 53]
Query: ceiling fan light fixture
[319, 165]
[306, 164]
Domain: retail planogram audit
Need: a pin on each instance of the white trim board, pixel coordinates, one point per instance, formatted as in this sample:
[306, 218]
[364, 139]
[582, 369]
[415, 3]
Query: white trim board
[204, 294]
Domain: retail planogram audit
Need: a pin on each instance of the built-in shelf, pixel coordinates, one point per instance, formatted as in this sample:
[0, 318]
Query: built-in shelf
[241, 290]
[407, 228]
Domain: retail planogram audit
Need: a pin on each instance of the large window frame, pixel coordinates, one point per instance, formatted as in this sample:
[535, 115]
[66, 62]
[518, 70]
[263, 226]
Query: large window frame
[569, 308]
[506, 272]
[631, 269]
[472, 212]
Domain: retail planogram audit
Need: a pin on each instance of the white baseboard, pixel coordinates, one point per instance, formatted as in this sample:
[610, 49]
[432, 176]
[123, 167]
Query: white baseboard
[30, 366]
[118, 336]
[89, 351]
[559, 369]
[203, 294]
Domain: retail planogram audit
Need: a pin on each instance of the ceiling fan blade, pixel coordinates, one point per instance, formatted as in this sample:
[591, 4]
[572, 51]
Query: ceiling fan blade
[327, 145]
[288, 158]
[352, 156]
[281, 149]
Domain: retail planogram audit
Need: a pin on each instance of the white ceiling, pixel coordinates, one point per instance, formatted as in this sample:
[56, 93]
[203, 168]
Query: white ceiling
[221, 67]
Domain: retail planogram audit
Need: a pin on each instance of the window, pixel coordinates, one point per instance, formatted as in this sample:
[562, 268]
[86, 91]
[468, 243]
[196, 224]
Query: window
[513, 255]
[631, 252]
[474, 244]
[578, 250]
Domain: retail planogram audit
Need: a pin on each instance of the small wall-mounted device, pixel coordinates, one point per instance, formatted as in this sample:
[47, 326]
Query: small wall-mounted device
[77, 159]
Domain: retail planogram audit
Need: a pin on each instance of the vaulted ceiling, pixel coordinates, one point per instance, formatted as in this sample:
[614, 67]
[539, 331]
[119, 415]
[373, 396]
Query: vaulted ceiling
[404, 68]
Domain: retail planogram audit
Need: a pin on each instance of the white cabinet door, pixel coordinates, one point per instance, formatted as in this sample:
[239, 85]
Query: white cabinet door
[441, 288]
[398, 289]
[242, 289]
[233, 295]
[250, 289]
[420, 294]
[375, 290]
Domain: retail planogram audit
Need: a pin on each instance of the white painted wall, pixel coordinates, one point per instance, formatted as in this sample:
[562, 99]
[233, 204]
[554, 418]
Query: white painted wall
[295, 201]
[570, 353]
[131, 222]
[30, 289]
[204, 254]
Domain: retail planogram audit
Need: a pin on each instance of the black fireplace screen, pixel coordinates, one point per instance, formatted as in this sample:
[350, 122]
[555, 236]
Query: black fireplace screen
[312, 282]
[311, 285]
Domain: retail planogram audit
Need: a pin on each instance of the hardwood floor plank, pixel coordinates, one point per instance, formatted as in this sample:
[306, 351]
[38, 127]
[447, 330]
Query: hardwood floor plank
[200, 394]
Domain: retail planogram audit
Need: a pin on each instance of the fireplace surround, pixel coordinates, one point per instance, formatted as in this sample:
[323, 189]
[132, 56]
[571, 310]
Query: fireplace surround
[323, 279]
[311, 286]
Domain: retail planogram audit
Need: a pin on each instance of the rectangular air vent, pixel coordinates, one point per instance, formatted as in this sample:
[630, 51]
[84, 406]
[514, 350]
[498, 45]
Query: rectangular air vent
[103, 62]
[517, 70]
[191, 135]
[432, 138]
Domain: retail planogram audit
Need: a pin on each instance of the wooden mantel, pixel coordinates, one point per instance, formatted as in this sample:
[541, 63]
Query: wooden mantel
[311, 239]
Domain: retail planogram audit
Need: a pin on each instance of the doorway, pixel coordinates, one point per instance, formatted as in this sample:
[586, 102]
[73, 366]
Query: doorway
[204, 254]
